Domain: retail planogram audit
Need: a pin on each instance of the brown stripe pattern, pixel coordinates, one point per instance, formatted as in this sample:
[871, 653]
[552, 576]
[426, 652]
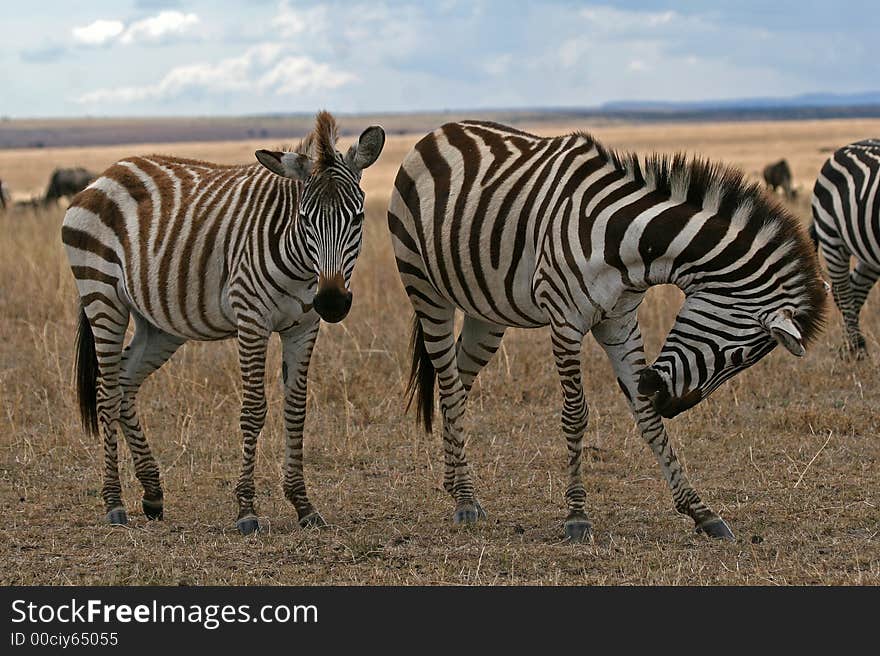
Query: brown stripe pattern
[516, 230]
[194, 250]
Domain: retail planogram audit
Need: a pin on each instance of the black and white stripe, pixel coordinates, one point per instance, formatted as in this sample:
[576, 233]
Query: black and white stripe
[846, 222]
[193, 250]
[518, 230]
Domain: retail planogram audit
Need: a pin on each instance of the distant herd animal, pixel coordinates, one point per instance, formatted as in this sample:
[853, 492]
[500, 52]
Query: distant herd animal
[778, 175]
[66, 183]
[63, 183]
[508, 229]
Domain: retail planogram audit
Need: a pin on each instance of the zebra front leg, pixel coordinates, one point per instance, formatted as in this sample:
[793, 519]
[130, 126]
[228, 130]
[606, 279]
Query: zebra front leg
[622, 341]
[439, 341]
[838, 262]
[297, 346]
[567, 342]
[252, 360]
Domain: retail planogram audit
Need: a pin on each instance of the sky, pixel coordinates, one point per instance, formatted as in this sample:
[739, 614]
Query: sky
[168, 57]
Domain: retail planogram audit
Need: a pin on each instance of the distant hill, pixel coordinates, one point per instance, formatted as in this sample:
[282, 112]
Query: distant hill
[273, 130]
[807, 100]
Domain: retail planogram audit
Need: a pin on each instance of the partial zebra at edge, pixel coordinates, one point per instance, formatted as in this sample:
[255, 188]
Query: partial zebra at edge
[846, 226]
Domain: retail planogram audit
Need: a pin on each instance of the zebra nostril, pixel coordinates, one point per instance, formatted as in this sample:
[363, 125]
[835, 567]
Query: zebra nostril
[332, 304]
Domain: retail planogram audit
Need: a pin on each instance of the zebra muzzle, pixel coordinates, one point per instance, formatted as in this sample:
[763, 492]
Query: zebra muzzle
[655, 386]
[332, 301]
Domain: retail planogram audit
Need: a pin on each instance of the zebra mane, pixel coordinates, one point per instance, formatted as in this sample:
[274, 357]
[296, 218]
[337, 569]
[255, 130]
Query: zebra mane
[323, 139]
[319, 144]
[725, 191]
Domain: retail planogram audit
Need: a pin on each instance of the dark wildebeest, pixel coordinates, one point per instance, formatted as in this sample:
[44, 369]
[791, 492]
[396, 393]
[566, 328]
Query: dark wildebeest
[67, 183]
[779, 175]
[4, 196]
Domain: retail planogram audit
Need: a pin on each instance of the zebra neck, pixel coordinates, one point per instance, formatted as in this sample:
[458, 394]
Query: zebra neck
[290, 257]
[658, 243]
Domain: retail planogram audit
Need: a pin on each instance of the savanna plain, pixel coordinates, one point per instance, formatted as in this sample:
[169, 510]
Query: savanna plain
[788, 452]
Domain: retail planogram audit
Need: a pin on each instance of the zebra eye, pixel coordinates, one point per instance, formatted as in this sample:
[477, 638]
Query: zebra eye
[358, 218]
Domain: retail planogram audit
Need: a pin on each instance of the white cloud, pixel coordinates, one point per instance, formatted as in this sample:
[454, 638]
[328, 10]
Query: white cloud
[368, 32]
[371, 55]
[164, 26]
[300, 74]
[292, 22]
[98, 33]
[160, 27]
[267, 69]
[611, 19]
[646, 34]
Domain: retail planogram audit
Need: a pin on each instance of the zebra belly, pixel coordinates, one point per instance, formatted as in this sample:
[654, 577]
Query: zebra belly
[498, 297]
[193, 306]
[163, 280]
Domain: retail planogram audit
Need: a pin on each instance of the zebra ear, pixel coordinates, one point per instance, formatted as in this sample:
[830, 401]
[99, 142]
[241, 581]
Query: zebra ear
[784, 331]
[367, 149]
[287, 165]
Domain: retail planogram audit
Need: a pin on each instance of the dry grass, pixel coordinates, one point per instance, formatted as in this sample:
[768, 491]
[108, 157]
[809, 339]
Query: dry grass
[788, 452]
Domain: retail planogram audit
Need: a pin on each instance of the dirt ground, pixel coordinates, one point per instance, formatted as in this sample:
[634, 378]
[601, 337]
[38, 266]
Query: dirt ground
[788, 452]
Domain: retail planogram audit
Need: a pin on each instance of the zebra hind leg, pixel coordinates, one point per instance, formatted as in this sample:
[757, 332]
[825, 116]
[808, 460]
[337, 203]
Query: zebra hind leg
[477, 343]
[103, 323]
[862, 278]
[148, 350]
[846, 298]
[439, 341]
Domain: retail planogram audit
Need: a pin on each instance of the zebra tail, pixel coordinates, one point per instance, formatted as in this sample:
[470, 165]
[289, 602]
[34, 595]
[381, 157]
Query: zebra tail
[421, 379]
[86, 374]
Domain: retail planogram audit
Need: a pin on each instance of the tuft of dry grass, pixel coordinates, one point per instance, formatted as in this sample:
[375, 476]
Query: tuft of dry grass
[787, 452]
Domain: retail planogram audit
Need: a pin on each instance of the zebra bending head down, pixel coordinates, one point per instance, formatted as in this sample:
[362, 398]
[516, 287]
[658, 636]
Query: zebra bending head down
[194, 250]
[518, 230]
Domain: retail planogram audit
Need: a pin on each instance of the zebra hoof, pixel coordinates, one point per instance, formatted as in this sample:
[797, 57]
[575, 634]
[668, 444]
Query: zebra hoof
[247, 525]
[715, 527]
[577, 528]
[312, 520]
[117, 517]
[468, 513]
[152, 509]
